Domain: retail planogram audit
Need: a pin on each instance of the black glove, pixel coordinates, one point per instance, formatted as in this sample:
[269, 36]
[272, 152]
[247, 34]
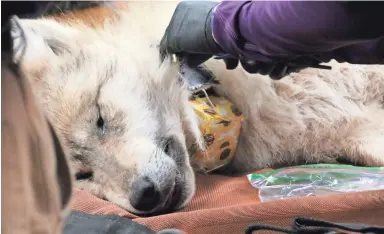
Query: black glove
[189, 34]
[275, 70]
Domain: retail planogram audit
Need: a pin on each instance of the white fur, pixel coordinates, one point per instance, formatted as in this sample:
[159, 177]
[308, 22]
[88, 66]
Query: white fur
[312, 116]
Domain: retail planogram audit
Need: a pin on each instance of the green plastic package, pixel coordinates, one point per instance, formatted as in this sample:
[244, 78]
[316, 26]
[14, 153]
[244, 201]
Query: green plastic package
[316, 179]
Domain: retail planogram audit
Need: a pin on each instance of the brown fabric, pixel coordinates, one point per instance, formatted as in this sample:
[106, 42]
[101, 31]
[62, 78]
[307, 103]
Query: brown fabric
[228, 205]
[35, 190]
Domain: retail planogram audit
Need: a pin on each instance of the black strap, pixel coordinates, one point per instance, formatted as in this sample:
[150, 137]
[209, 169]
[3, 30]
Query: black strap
[303, 225]
[301, 222]
[256, 227]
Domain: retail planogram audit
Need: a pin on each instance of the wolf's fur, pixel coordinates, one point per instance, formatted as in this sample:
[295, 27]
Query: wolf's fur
[80, 73]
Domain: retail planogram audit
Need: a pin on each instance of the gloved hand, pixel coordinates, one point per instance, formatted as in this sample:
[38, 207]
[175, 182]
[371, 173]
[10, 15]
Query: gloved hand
[189, 37]
[275, 70]
[189, 34]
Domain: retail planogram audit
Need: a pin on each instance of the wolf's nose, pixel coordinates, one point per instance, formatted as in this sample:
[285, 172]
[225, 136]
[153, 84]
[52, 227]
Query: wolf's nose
[144, 194]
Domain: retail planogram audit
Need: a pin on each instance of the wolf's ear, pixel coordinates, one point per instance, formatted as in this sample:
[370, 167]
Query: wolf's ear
[40, 38]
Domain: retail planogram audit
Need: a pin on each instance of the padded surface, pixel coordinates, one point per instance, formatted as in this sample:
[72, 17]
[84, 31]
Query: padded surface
[228, 205]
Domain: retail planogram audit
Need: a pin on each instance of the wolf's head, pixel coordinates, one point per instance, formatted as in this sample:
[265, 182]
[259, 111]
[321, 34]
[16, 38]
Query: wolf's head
[122, 113]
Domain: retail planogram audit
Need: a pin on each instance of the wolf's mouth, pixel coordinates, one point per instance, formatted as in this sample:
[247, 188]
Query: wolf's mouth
[172, 202]
[174, 198]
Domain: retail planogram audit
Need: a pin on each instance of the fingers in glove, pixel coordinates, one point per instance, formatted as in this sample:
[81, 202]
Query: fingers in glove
[266, 68]
[231, 63]
[279, 71]
[259, 67]
[250, 67]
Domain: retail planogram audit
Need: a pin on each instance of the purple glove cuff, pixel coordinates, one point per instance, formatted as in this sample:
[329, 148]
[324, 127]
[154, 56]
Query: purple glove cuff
[213, 36]
[212, 16]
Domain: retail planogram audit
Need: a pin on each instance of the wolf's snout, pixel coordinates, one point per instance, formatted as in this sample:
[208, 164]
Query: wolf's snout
[145, 195]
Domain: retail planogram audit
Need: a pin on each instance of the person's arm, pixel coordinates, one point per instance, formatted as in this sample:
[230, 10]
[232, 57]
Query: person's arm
[274, 31]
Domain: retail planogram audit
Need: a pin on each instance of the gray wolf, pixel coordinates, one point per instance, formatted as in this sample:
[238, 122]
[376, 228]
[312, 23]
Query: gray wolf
[125, 117]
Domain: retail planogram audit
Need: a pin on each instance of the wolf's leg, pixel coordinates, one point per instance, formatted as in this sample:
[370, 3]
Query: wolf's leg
[365, 144]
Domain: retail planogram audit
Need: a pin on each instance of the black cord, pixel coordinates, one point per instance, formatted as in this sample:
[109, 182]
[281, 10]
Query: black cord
[303, 225]
[256, 227]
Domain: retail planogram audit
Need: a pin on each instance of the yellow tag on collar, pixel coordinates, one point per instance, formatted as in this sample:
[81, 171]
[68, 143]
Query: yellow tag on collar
[220, 125]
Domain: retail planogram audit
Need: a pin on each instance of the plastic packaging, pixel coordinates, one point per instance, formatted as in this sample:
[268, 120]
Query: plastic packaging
[318, 179]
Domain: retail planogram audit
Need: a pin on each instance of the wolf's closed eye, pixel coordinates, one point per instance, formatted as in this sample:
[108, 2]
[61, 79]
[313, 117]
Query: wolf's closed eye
[168, 145]
[100, 121]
